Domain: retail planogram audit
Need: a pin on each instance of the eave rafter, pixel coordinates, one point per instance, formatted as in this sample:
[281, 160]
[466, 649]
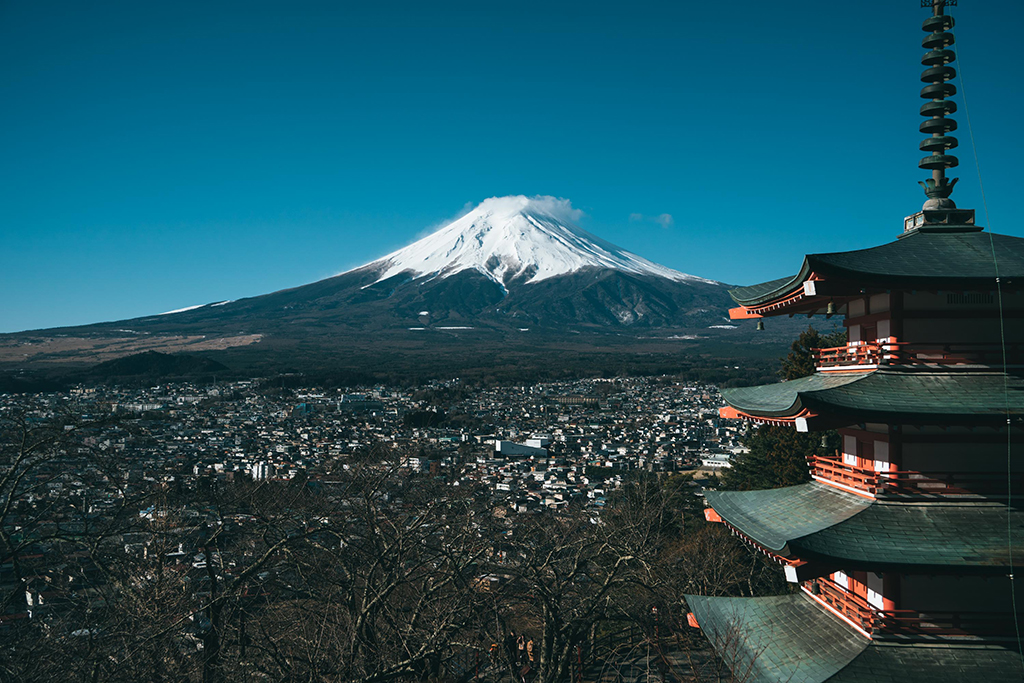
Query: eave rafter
[712, 516]
[809, 297]
[802, 420]
[796, 570]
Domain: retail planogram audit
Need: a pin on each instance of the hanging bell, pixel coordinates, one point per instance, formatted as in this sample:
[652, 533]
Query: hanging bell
[760, 325]
[830, 310]
[824, 441]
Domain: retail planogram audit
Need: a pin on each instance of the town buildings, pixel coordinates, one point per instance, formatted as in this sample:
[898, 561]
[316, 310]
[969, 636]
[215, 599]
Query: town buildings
[524, 449]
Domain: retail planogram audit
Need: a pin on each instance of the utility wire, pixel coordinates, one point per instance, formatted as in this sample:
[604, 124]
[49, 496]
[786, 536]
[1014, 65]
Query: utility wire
[1002, 343]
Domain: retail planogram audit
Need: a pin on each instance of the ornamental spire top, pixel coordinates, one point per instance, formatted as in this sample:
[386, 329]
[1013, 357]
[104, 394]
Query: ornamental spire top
[939, 213]
[937, 109]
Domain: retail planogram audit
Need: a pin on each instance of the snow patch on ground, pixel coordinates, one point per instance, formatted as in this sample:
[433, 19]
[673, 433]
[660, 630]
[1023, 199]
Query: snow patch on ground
[182, 310]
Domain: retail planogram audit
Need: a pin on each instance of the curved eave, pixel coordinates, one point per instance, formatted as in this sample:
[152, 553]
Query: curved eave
[818, 523]
[792, 638]
[778, 638]
[912, 397]
[784, 400]
[790, 420]
[773, 290]
[966, 397]
[773, 517]
[926, 260]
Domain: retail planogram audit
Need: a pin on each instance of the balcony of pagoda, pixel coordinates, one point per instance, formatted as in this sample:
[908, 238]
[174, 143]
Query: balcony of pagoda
[869, 355]
[866, 481]
[877, 623]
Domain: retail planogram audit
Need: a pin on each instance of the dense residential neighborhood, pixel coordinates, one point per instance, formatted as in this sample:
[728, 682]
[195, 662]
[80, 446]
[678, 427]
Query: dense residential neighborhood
[536, 445]
[131, 476]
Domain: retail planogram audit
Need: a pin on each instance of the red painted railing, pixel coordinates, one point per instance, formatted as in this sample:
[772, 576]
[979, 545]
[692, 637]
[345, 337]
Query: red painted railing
[893, 352]
[909, 622]
[856, 353]
[853, 607]
[909, 482]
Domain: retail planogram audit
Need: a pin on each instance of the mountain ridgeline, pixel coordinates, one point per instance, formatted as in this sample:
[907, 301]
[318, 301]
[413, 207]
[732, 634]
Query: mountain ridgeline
[514, 271]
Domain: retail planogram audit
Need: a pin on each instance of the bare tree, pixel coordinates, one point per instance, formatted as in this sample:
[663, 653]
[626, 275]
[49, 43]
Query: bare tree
[363, 576]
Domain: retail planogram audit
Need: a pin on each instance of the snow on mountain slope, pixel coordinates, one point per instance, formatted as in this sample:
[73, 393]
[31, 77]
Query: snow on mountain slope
[532, 238]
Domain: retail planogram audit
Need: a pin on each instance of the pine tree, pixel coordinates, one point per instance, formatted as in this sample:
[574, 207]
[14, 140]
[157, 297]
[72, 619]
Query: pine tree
[778, 454]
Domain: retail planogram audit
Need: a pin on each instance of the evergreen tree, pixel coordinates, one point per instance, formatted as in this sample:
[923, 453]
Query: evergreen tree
[800, 361]
[778, 454]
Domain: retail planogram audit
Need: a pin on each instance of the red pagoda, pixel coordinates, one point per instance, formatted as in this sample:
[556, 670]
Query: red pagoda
[905, 542]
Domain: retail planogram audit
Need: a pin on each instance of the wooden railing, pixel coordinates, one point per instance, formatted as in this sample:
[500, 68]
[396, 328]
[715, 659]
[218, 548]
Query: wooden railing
[856, 353]
[853, 607]
[835, 470]
[909, 482]
[909, 622]
[890, 351]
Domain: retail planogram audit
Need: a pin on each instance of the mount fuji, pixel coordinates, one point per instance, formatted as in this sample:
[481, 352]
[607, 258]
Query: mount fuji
[521, 239]
[510, 269]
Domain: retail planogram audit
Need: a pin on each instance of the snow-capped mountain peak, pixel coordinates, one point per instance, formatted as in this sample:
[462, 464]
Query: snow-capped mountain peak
[527, 238]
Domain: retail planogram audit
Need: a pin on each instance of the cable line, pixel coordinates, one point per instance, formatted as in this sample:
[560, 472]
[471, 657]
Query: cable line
[1002, 341]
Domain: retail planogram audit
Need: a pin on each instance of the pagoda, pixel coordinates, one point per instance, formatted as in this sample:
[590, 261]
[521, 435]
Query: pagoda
[902, 549]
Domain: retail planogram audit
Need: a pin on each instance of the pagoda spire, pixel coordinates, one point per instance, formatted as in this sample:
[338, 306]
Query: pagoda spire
[937, 109]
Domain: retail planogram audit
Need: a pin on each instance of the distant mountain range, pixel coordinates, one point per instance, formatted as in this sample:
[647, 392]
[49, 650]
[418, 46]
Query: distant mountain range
[513, 268]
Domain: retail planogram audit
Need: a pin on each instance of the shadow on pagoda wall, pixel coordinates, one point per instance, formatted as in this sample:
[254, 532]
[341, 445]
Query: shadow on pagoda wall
[925, 462]
[922, 606]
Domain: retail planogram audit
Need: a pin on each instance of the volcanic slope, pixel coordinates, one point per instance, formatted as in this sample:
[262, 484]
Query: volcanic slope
[510, 265]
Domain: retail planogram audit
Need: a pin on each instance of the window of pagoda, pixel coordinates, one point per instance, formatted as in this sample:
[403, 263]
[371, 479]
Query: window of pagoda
[868, 319]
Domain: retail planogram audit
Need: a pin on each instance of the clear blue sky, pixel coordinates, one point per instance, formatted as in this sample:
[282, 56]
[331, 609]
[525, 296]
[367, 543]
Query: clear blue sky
[156, 155]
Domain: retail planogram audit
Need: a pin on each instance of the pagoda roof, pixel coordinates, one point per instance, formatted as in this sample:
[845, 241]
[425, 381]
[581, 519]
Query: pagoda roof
[792, 638]
[816, 521]
[886, 395]
[922, 260]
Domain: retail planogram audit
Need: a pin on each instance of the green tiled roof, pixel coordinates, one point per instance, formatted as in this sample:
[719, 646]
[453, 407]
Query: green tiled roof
[781, 638]
[893, 663]
[815, 521]
[776, 516]
[766, 291]
[940, 260]
[948, 534]
[790, 638]
[784, 398]
[888, 396]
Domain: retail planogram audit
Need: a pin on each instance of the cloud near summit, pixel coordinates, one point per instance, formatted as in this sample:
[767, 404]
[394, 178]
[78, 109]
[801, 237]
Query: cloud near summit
[555, 207]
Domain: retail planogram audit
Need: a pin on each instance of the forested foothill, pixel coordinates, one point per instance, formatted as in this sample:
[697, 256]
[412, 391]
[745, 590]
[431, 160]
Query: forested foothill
[354, 361]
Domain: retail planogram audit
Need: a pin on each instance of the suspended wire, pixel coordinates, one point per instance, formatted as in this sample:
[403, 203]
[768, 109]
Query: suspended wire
[1002, 343]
